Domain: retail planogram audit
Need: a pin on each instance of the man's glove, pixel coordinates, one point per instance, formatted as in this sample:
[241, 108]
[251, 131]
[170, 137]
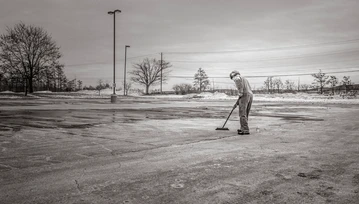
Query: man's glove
[237, 103]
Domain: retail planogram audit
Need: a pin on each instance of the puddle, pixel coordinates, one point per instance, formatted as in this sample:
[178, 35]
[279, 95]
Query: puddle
[288, 117]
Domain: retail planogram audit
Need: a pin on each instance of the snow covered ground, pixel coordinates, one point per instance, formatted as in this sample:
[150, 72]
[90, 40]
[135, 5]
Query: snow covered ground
[285, 97]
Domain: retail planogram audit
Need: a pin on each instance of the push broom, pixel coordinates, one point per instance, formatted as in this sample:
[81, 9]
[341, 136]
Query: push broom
[223, 128]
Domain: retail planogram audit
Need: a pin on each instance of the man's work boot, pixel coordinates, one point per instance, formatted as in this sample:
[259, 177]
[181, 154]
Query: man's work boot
[241, 132]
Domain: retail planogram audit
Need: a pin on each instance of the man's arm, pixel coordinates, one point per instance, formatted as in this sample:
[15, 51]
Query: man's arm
[239, 84]
[237, 103]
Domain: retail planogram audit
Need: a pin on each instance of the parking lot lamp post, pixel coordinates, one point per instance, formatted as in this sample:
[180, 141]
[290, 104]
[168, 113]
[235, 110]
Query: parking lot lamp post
[124, 84]
[114, 97]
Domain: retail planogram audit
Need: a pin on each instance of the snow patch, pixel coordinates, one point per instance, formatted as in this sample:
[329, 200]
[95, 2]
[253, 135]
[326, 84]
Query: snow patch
[285, 97]
[94, 94]
[209, 95]
[43, 92]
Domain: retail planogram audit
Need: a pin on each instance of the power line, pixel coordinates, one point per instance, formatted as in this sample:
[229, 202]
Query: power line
[270, 59]
[303, 66]
[277, 75]
[309, 68]
[296, 67]
[85, 64]
[270, 49]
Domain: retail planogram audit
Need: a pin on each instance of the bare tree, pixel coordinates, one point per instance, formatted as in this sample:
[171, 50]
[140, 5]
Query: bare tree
[346, 82]
[332, 81]
[278, 84]
[201, 80]
[47, 75]
[26, 49]
[269, 84]
[79, 84]
[149, 71]
[289, 84]
[304, 87]
[128, 87]
[320, 80]
[71, 85]
[11, 77]
[2, 79]
[60, 79]
[100, 86]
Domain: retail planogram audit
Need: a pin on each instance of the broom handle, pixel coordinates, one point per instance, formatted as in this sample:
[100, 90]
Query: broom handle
[231, 112]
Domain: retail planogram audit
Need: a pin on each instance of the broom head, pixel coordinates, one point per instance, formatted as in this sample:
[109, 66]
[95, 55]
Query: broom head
[222, 129]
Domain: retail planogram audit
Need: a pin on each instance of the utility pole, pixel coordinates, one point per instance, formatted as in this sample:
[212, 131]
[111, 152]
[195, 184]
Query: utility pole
[298, 83]
[213, 84]
[161, 70]
[75, 83]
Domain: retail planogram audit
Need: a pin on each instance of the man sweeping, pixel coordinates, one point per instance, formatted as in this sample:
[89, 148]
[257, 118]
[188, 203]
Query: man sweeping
[244, 100]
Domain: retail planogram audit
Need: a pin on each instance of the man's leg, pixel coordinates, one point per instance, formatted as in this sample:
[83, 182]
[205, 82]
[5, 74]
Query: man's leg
[243, 105]
[249, 106]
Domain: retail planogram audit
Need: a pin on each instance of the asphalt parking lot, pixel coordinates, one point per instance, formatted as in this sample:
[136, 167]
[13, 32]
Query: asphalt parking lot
[168, 151]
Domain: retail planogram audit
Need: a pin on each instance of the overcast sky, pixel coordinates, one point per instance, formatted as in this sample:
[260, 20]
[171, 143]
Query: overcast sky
[257, 37]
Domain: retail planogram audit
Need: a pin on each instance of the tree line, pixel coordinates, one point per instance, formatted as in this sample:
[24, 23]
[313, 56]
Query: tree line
[321, 83]
[321, 80]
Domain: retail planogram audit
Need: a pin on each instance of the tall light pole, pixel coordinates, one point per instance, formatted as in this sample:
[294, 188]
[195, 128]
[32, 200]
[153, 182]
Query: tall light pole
[124, 84]
[114, 97]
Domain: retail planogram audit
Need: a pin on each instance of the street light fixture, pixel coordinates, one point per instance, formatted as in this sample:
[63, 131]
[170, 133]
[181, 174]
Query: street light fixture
[124, 84]
[114, 97]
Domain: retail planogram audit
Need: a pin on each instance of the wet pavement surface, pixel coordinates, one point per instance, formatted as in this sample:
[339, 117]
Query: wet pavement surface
[143, 150]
